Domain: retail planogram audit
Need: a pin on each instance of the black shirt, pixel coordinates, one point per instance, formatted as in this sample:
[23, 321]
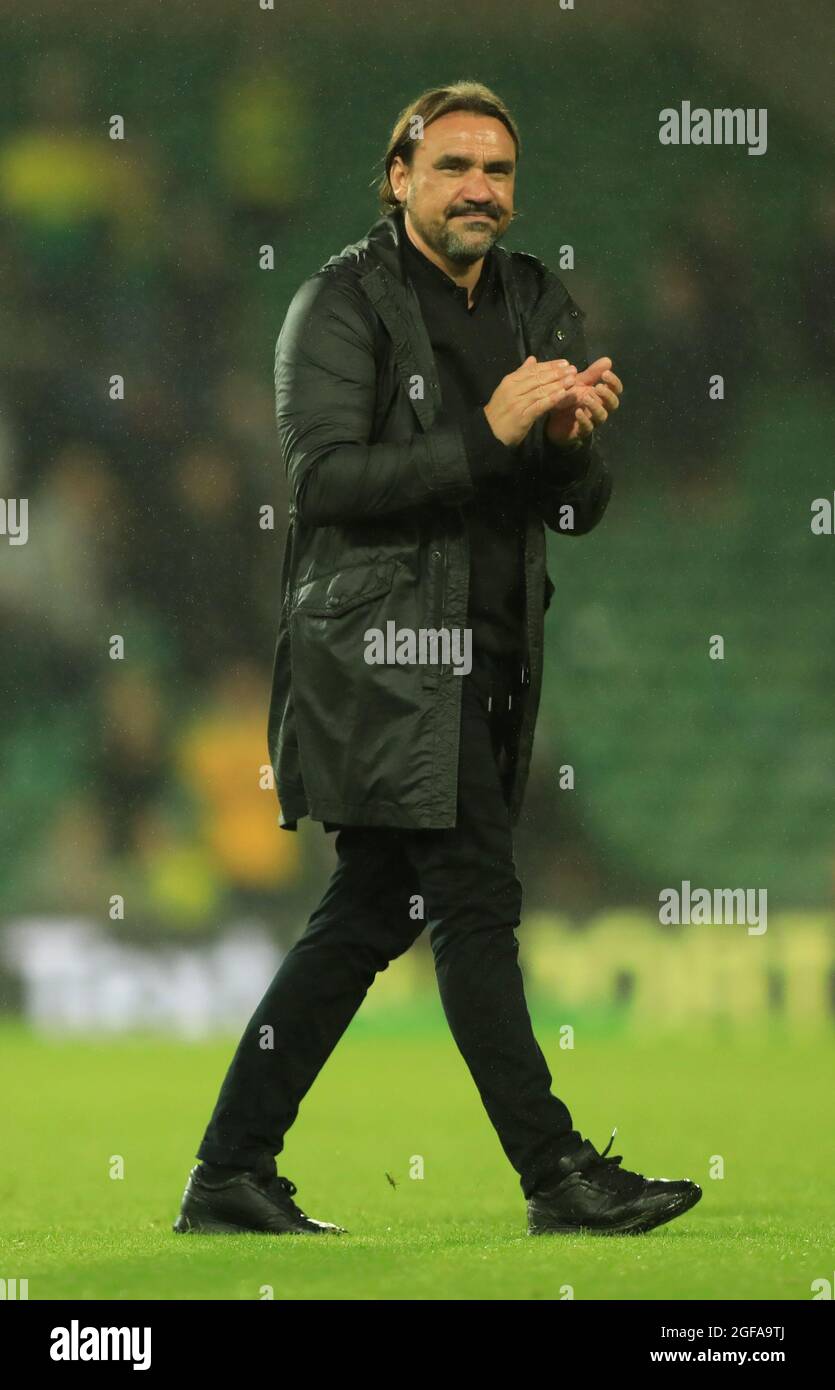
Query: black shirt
[475, 348]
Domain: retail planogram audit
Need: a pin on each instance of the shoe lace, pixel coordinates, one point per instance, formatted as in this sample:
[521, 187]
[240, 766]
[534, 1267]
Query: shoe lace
[607, 1172]
[284, 1190]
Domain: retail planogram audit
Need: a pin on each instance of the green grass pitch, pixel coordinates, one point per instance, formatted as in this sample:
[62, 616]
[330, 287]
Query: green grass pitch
[394, 1088]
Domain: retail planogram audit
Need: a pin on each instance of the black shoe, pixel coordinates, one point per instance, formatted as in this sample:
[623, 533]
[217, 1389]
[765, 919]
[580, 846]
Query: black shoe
[596, 1195]
[257, 1200]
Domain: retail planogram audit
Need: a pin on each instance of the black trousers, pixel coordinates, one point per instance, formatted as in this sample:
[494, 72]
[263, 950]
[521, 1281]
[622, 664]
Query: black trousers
[388, 885]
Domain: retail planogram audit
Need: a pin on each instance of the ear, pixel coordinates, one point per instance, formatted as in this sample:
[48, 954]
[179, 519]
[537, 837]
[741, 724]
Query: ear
[396, 171]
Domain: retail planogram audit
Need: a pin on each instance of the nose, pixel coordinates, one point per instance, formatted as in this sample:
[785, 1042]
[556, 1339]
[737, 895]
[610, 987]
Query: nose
[477, 188]
[477, 197]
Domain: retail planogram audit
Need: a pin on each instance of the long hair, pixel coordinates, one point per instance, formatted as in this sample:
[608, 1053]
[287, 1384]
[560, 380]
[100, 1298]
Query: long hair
[429, 106]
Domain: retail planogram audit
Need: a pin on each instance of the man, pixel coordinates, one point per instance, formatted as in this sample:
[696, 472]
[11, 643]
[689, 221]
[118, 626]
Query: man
[434, 408]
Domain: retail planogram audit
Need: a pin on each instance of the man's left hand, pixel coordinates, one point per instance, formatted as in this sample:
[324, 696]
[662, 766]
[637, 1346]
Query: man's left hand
[599, 391]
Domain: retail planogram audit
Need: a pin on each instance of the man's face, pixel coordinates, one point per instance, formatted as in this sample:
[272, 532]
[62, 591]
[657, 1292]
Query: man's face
[458, 192]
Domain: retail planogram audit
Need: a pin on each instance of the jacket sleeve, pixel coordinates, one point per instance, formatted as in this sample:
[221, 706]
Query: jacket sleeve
[325, 385]
[570, 488]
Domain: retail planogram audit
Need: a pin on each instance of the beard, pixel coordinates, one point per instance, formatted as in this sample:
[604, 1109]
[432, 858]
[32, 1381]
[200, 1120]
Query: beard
[447, 238]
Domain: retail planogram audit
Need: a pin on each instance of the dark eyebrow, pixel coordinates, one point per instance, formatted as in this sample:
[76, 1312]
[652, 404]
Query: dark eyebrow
[459, 161]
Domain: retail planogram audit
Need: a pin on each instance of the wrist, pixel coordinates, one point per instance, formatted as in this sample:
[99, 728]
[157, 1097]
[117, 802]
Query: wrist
[570, 458]
[566, 446]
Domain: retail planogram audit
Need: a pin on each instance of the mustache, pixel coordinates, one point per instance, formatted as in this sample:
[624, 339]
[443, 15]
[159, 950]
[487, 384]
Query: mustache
[476, 212]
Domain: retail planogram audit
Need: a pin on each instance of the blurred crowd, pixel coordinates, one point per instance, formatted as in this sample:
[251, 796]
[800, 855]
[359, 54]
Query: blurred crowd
[156, 512]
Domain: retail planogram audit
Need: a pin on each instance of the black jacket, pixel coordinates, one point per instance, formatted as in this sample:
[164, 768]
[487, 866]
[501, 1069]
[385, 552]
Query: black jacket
[376, 534]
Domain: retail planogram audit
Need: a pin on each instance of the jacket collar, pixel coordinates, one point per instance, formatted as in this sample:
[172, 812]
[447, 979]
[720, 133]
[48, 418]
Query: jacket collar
[530, 288]
[385, 242]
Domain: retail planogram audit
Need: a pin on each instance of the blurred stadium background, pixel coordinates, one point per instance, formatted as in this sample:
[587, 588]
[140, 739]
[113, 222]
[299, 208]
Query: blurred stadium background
[145, 777]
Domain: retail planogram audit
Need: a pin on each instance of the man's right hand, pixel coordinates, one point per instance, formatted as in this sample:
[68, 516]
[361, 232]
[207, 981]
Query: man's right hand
[522, 396]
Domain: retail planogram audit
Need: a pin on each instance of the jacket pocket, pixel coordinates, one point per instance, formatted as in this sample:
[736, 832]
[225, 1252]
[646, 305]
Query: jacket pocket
[331, 595]
[358, 720]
